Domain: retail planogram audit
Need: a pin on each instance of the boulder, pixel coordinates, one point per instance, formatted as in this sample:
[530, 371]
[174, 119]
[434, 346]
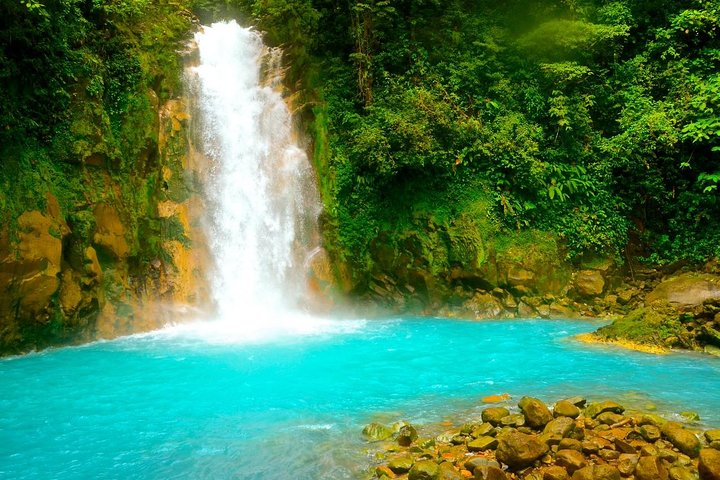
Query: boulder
[709, 464]
[406, 435]
[474, 462]
[678, 472]
[518, 450]
[484, 429]
[570, 443]
[513, 420]
[447, 471]
[401, 464]
[571, 460]
[597, 472]
[563, 408]
[682, 439]
[484, 305]
[650, 433]
[650, 468]
[558, 429]
[712, 436]
[626, 463]
[482, 443]
[494, 415]
[535, 411]
[687, 290]
[489, 472]
[609, 418]
[589, 283]
[595, 409]
[423, 470]
[555, 473]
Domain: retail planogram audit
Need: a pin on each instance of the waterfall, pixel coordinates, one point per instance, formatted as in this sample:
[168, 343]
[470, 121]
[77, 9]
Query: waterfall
[262, 202]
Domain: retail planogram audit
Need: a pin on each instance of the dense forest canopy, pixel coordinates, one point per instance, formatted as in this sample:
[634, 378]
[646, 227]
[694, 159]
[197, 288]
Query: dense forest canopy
[598, 121]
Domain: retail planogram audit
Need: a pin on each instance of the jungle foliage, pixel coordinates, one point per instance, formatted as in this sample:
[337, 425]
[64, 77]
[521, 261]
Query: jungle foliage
[597, 120]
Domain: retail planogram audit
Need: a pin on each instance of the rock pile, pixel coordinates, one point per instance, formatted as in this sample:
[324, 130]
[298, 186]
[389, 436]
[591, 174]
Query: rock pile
[573, 441]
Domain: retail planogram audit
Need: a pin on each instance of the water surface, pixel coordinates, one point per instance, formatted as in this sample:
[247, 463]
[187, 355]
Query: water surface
[185, 404]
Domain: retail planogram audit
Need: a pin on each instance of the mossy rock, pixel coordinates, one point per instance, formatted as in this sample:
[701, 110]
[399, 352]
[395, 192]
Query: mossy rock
[657, 325]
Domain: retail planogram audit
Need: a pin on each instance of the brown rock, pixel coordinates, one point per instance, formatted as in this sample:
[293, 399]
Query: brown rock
[589, 283]
[518, 450]
[650, 468]
[482, 443]
[535, 411]
[597, 472]
[447, 471]
[678, 472]
[570, 444]
[423, 470]
[609, 418]
[558, 429]
[563, 408]
[494, 415]
[555, 473]
[709, 464]
[489, 472]
[650, 433]
[682, 439]
[571, 460]
[626, 464]
[595, 409]
[687, 290]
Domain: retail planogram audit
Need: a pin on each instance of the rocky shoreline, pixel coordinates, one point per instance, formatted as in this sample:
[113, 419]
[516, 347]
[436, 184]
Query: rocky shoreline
[573, 440]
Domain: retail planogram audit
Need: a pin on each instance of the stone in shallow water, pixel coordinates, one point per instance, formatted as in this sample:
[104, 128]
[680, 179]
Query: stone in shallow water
[406, 435]
[375, 432]
[484, 429]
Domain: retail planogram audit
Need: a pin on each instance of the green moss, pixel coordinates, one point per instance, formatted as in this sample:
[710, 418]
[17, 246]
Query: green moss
[647, 325]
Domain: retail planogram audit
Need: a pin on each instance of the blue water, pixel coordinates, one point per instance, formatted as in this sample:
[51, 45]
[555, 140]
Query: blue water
[175, 406]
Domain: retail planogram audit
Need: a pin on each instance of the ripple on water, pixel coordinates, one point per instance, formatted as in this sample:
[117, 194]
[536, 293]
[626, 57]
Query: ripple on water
[174, 404]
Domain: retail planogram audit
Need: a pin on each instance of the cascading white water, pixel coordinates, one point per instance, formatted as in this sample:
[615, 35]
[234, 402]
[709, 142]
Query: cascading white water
[260, 188]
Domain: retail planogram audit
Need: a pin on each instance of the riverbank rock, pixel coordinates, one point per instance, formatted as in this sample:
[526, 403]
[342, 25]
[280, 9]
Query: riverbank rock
[423, 470]
[494, 415]
[709, 464]
[682, 439]
[518, 450]
[688, 290]
[536, 412]
[641, 446]
[563, 408]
